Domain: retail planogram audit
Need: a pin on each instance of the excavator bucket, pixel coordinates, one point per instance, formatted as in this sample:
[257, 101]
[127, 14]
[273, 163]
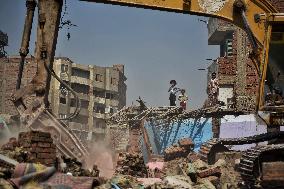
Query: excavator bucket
[67, 143]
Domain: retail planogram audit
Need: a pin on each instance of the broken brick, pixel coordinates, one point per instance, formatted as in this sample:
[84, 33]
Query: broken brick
[212, 171]
[41, 144]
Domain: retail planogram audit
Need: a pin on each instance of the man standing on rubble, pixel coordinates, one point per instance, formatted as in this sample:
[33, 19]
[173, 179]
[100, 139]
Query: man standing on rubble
[183, 99]
[173, 91]
[213, 88]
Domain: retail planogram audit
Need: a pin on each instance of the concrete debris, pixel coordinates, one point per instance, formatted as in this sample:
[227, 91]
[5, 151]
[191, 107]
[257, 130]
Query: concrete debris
[13, 150]
[131, 164]
[192, 157]
[205, 184]
[75, 168]
[178, 181]
[199, 165]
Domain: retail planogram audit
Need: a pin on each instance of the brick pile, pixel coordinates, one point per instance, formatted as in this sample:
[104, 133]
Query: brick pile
[182, 149]
[40, 147]
[131, 164]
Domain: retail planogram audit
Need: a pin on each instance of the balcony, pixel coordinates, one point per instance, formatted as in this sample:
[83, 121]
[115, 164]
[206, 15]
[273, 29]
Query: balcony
[64, 76]
[100, 100]
[80, 80]
[218, 30]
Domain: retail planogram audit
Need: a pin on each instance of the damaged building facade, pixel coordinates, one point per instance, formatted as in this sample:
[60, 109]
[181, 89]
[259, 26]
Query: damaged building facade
[237, 77]
[101, 90]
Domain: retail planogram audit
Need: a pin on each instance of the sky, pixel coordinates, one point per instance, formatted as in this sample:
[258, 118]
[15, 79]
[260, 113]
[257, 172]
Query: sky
[154, 46]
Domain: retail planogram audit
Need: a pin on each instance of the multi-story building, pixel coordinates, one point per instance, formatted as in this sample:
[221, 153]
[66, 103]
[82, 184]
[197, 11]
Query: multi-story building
[101, 90]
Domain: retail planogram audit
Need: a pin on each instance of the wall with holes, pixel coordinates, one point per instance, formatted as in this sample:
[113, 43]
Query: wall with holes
[163, 135]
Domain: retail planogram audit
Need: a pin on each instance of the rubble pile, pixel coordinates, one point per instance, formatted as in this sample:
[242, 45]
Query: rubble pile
[182, 149]
[131, 164]
[75, 168]
[13, 150]
[180, 173]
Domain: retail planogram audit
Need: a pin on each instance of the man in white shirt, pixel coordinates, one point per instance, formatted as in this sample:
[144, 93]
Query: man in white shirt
[173, 90]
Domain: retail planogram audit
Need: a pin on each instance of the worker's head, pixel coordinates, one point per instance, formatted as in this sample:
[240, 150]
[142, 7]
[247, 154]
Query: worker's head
[182, 91]
[213, 75]
[173, 82]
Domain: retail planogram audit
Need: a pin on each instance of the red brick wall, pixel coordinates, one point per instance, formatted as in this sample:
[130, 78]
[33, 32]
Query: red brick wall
[134, 138]
[9, 68]
[228, 66]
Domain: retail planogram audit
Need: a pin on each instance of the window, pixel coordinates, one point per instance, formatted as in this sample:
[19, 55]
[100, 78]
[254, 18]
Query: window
[99, 77]
[62, 116]
[84, 103]
[99, 108]
[110, 96]
[80, 73]
[64, 68]
[100, 94]
[62, 100]
[80, 88]
[229, 47]
[113, 81]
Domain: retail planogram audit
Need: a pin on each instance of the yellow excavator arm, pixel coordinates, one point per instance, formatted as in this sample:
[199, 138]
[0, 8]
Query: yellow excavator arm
[225, 9]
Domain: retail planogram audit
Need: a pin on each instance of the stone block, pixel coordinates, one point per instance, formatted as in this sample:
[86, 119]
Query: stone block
[200, 165]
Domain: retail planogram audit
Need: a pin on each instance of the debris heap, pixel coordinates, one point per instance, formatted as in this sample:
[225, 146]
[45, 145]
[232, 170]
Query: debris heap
[131, 164]
[75, 168]
[13, 150]
[182, 149]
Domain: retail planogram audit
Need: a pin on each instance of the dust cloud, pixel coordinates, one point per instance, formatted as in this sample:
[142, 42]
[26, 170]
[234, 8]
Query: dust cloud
[12, 130]
[102, 156]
